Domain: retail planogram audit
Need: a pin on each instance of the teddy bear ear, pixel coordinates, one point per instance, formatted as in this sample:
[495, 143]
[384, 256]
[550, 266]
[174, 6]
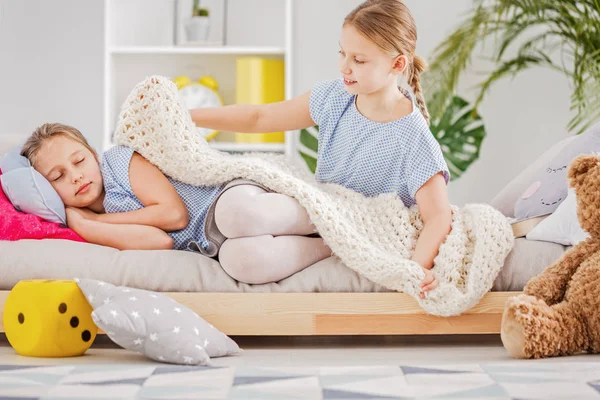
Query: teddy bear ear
[581, 165]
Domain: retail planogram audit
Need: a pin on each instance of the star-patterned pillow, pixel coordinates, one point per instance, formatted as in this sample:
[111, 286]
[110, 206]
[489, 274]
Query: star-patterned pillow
[155, 325]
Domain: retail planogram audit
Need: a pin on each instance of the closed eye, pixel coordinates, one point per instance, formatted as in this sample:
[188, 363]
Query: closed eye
[57, 178]
[80, 161]
[355, 60]
[555, 170]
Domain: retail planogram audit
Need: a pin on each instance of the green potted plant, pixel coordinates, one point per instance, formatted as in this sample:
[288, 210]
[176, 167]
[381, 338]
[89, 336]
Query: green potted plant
[198, 26]
[562, 35]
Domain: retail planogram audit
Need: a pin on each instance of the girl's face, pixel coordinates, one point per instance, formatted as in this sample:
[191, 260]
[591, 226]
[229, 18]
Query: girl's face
[72, 170]
[365, 67]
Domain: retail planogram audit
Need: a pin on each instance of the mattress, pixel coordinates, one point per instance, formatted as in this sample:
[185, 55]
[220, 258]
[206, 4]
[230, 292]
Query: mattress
[182, 271]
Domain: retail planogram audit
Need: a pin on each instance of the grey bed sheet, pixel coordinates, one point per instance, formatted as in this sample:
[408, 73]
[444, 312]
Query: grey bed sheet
[181, 271]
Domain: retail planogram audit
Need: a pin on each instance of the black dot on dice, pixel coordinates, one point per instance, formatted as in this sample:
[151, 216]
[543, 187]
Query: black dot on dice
[21, 318]
[62, 308]
[74, 322]
[86, 336]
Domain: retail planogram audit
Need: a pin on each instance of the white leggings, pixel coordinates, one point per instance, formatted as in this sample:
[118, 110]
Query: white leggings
[266, 235]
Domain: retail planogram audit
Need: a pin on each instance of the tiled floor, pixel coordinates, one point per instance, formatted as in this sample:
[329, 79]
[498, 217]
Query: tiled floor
[319, 367]
[323, 350]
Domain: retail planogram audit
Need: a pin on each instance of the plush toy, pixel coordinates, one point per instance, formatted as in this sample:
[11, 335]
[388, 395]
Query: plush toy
[559, 312]
[48, 318]
[548, 188]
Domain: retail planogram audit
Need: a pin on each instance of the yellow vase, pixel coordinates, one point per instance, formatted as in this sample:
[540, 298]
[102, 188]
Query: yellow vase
[259, 81]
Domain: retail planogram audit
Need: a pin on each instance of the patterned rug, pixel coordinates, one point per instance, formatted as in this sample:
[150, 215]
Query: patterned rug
[515, 380]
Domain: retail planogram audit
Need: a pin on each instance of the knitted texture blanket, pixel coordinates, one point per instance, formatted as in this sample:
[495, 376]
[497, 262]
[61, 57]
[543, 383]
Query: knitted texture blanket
[374, 236]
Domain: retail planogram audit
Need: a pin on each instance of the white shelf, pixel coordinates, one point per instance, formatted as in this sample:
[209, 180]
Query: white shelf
[247, 147]
[129, 58]
[233, 50]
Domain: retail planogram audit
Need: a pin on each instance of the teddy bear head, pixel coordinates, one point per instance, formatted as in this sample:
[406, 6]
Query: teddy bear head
[584, 177]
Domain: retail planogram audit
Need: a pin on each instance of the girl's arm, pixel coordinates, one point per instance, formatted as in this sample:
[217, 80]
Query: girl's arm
[274, 117]
[163, 208]
[122, 237]
[434, 207]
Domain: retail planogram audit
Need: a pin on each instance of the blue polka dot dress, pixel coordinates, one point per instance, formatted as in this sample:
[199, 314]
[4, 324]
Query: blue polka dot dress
[372, 157]
[120, 198]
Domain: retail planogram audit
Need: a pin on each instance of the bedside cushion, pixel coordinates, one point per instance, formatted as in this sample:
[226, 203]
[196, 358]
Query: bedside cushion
[562, 226]
[548, 188]
[505, 200]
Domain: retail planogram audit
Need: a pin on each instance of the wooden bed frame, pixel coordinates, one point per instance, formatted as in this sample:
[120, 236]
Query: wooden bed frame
[290, 314]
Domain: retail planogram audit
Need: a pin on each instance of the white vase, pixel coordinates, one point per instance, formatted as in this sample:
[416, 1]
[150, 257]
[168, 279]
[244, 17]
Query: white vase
[197, 29]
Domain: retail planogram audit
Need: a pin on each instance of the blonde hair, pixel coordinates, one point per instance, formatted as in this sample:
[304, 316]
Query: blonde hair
[46, 132]
[390, 25]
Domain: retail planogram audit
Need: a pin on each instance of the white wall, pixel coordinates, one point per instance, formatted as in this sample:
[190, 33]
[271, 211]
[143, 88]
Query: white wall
[51, 69]
[51, 61]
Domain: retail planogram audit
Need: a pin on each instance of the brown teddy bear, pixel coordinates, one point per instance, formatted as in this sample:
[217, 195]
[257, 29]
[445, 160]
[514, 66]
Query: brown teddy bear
[559, 312]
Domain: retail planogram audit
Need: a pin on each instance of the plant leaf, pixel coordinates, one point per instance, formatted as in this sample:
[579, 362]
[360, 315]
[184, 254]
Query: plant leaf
[310, 139]
[460, 133]
[565, 30]
[311, 162]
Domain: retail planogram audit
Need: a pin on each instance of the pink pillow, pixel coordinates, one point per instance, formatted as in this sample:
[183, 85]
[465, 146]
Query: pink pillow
[15, 225]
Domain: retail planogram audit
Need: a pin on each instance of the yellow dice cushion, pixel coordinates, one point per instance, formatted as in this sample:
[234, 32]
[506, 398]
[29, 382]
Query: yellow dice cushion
[48, 318]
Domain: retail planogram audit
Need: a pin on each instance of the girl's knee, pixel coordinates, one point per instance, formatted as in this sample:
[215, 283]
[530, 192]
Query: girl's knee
[244, 259]
[236, 217]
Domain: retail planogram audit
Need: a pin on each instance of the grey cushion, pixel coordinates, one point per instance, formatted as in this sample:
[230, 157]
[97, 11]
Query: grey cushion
[155, 325]
[505, 200]
[548, 188]
[28, 190]
[181, 271]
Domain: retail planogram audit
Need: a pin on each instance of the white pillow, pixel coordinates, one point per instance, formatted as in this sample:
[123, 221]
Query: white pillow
[562, 226]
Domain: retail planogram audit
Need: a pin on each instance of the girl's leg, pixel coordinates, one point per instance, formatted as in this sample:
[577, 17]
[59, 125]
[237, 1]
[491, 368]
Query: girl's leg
[248, 210]
[263, 259]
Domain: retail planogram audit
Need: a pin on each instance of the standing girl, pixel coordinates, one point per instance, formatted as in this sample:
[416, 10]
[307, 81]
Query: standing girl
[373, 135]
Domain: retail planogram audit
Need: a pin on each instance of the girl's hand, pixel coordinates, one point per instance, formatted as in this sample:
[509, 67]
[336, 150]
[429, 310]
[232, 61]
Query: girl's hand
[429, 283]
[74, 217]
[88, 214]
[85, 213]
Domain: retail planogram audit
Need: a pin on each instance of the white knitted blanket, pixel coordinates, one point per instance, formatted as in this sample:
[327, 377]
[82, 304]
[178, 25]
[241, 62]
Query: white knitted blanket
[373, 236]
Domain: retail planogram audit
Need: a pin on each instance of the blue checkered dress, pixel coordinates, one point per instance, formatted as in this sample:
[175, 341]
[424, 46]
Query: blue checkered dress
[120, 197]
[372, 157]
